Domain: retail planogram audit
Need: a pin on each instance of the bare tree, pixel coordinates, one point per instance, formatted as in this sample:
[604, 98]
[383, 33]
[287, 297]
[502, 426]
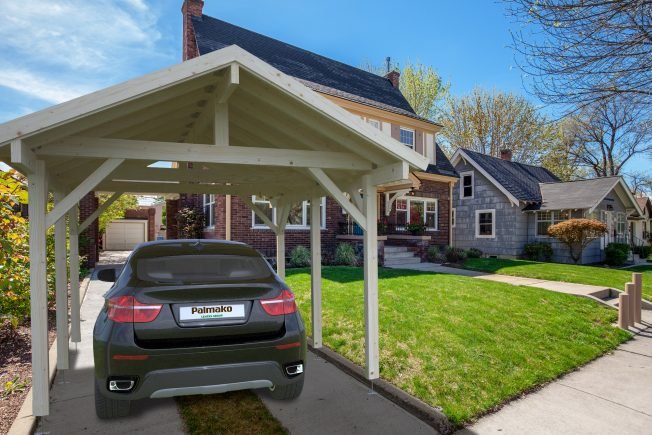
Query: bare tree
[640, 183]
[608, 134]
[488, 122]
[581, 52]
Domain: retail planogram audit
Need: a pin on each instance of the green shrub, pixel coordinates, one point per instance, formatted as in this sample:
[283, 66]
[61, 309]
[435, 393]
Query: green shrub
[643, 251]
[473, 253]
[345, 255]
[538, 251]
[435, 255]
[616, 254]
[300, 257]
[455, 255]
[190, 223]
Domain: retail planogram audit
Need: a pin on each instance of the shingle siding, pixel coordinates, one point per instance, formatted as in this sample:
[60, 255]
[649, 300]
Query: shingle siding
[511, 222]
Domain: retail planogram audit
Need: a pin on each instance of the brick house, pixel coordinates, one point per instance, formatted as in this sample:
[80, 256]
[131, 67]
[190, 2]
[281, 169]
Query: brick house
[378, 100]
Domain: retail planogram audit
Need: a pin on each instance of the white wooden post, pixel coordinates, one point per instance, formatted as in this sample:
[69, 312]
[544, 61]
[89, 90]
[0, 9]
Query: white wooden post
[282, 213]
[315, 266]
[75, 303]
[371, 278]
[38, 289]
[61, 270]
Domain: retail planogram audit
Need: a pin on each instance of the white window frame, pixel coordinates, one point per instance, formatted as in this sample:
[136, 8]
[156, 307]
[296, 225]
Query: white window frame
[211, 207]
[492, 211]
[414, 137]
[304, 216]
[462, 175]
[555, 218]
[407, 210]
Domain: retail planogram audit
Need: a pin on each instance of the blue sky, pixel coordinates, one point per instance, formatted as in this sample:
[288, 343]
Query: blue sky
[54, 50]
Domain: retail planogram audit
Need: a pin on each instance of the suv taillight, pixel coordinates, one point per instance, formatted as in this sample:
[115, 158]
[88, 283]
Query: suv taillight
[128, 309]
[280, 305]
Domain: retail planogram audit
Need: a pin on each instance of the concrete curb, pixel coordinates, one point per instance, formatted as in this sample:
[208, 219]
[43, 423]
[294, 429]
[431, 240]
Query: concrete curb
[25, 422]
[426, 413]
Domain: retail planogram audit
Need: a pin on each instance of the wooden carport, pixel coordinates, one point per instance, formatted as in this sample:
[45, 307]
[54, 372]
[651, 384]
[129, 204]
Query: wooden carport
[247, 129]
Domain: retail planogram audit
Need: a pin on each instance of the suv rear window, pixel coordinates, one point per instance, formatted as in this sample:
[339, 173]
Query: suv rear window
[198, 269]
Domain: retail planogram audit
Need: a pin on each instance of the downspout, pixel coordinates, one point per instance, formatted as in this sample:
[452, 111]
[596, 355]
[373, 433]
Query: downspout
[450, 214]
[227, 218]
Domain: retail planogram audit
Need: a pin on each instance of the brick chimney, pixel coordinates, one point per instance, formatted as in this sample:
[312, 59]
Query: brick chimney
[506, 155]
[190, 8]
[393, 76]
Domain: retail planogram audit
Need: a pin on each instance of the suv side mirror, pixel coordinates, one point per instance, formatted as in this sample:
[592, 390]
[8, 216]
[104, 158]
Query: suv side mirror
[107, 275]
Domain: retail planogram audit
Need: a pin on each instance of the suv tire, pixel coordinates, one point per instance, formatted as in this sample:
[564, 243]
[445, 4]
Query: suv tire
[110, 408]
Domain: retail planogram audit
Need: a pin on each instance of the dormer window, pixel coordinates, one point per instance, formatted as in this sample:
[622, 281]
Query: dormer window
[407, 137]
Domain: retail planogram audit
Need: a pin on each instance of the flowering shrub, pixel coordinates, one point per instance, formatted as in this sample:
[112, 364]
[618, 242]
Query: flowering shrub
[577, 234]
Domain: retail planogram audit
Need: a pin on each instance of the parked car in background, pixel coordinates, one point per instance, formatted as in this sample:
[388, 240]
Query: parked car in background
[189, 317]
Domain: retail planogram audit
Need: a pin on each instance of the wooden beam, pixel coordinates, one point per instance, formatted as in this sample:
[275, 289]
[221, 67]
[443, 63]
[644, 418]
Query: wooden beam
[22, 157]
[270, 190]
[38, 289]
[100, 209]
[337, 194]
[399, 171]
[75, 297]
[372, 352]
[81, 190]
[315, 270]
[61, 287]
[282, 214]
[221, 124]
[188, 152]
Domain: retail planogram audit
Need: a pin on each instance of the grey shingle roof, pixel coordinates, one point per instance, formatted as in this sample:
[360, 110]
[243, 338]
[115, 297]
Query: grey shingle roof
[443, 166]
[571, 195]
[317, 72]
[521, 180]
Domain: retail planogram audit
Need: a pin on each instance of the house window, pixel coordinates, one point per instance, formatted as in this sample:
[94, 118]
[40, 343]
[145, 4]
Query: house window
[621, 226]
[407, 137]
[453, 217]
[374, 123]
[209, 210]
[298, 218]
[485, 224]
[467, 186]
[426, 210]
[547, 218]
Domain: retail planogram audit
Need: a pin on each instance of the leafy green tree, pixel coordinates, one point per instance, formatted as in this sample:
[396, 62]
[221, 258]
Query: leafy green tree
[421, 85]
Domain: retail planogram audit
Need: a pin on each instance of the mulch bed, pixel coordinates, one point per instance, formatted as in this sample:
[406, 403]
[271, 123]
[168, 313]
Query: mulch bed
[16, 361]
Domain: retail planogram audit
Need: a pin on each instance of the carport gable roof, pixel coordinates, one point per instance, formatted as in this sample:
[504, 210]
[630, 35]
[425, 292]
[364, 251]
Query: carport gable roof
[53, 124]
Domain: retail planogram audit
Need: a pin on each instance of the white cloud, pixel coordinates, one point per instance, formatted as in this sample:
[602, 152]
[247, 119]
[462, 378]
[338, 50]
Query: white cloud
[76, 33]
[40, 87]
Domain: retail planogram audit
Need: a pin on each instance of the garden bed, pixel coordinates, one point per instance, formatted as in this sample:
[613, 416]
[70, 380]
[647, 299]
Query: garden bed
[16, 362]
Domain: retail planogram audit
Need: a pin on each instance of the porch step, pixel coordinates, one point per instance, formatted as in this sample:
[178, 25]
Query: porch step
[401, 261]
[393, 249]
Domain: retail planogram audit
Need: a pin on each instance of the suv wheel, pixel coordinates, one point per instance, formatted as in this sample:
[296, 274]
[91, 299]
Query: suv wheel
[287, 392]
[110, 408]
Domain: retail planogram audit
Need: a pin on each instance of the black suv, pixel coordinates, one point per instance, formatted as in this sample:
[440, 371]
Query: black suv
[195, 317]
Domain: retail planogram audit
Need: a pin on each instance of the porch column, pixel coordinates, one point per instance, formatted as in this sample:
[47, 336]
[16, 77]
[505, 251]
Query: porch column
[75, 303]
[38, 289]
[371, 278]
[315, 272]
[61, 270]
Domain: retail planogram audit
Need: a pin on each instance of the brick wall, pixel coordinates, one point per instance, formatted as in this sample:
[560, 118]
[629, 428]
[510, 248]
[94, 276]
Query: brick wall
[148, 214]
[171, 225]
[89, 246]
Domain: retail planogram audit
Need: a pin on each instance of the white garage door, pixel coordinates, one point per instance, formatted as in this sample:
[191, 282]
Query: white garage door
[124, 234]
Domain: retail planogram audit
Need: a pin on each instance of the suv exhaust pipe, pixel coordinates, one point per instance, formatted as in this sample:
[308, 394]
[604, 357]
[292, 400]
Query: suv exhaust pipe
[294, 369]
[121, 385]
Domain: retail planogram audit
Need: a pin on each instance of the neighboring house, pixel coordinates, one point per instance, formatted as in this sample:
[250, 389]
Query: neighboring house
[501, 205]
[378, 100]
[641, 227]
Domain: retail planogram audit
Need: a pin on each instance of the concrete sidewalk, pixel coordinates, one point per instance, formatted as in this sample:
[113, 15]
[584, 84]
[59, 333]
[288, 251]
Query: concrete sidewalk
[557, 286]
[612, 395]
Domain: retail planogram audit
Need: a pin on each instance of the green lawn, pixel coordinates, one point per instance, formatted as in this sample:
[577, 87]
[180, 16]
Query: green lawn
[616, 278]
[462, 344]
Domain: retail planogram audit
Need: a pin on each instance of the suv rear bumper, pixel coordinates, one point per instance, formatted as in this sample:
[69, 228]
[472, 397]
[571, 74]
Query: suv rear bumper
[204, 380]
